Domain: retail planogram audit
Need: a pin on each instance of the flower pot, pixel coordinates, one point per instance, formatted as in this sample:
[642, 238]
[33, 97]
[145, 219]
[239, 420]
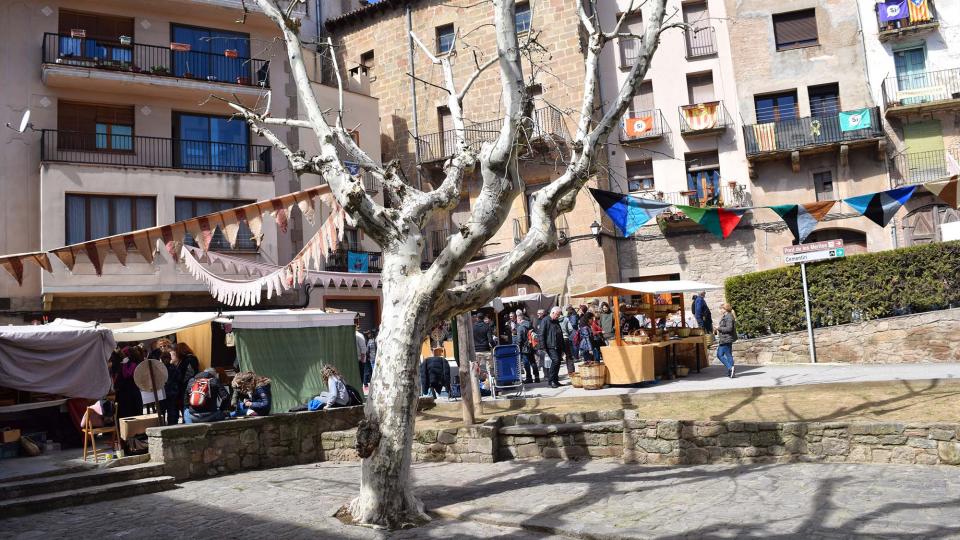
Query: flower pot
[212, 78]
[231, 53]
[125, 40]
[243, 80]
[188, 75]
[682, 371]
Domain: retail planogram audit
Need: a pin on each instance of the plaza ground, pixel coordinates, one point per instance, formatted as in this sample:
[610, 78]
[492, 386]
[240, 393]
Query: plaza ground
[821, 392]
[537, 499]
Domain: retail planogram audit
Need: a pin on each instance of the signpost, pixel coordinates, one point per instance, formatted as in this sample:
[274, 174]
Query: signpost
[804, 253]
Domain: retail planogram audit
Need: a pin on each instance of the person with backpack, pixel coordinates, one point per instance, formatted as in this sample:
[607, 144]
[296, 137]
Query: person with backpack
[434, 374]
[251, 395]
[526, 339]
[726, 335]
[206, 399]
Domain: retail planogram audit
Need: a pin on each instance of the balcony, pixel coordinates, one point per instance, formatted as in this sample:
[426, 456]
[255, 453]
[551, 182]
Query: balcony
[727, 195]
[548, 127]
[643, 126]
[340, 260]
[701, 42]
[921, 167]
[921, 92]
[98, 65]
[771, 139]
[702, 119]
[907, 26]
[153, 152]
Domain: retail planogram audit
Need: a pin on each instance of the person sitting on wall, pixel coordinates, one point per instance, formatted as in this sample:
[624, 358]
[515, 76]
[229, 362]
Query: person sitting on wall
[434, 373]
[251, 395]
[336, 394]
[206, 399]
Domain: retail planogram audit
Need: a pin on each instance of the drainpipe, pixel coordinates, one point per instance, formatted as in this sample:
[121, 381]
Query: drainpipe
[319, 16]
[413, 96]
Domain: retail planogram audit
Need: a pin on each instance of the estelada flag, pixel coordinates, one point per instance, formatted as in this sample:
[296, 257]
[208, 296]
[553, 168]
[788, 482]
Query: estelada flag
[919, 10]
[701, 116]
[639, 126]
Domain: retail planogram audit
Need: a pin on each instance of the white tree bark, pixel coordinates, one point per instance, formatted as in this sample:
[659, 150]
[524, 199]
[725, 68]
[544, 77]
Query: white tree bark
[413, 300]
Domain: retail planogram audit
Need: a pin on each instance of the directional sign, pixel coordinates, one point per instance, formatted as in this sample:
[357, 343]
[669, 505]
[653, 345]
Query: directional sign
[814, 246]
[813, 256]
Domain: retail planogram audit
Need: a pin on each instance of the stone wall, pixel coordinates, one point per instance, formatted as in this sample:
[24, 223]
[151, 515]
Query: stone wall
[570, 436]
[201, 450]
[923, 337]
[474, 444]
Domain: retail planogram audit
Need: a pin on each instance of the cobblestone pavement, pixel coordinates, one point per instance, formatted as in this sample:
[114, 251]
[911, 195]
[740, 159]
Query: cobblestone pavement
[588, 499]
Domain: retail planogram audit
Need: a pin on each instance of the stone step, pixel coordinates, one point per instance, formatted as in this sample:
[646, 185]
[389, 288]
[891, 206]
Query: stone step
[86, 495]
[77, 480]
[545, 430]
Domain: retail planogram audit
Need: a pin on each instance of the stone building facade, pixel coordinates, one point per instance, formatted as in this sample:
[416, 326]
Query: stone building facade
[416, 127]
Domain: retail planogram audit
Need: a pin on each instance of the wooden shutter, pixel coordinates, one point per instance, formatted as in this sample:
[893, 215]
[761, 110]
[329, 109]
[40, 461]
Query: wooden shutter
[795, 28]
[643, 99]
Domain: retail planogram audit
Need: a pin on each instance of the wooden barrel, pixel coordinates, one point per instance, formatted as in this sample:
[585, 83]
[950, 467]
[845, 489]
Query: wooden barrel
[575, 380]
[593, 376]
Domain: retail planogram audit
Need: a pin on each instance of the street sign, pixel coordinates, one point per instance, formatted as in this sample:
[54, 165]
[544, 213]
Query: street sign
[815, 246]
[814, 256]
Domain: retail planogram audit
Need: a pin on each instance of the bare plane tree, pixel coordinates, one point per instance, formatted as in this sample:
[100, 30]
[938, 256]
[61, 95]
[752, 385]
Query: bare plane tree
[414, 299]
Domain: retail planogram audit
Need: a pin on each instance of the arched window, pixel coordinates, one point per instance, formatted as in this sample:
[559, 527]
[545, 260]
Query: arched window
[854, 241]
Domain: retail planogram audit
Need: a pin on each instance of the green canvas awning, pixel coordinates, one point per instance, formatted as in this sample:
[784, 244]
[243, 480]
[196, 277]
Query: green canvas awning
[291, 353]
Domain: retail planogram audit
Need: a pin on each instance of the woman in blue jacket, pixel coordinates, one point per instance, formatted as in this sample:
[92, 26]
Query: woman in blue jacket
[251, 393]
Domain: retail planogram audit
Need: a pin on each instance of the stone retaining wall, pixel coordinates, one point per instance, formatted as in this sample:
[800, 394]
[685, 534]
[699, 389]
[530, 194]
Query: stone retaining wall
[569, 436]
[202, 450]
[923, 337]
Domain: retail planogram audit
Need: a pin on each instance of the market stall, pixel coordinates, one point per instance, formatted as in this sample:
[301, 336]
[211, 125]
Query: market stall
[200, 330]
[651, 351]
[291, 347]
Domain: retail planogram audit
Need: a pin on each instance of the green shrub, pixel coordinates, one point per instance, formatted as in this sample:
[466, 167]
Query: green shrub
[867, 286]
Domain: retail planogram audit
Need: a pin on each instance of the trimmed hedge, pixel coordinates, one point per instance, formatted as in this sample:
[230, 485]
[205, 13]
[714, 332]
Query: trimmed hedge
[859, 287]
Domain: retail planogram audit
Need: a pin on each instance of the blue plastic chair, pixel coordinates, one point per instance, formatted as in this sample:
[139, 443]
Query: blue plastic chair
[507, 369]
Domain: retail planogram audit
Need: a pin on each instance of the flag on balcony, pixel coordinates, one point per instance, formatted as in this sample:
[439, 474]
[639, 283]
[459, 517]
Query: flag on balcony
[358, 262]
[766, 136]
[719, 221]
[702, 116]
[639, 126]
[855, 120]
[892, 10]
[946, 190]
[801, 219]
[882, 206]
[919, 11]
[628, 212]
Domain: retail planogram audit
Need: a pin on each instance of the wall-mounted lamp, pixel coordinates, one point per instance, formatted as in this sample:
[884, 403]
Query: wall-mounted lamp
[595, 229]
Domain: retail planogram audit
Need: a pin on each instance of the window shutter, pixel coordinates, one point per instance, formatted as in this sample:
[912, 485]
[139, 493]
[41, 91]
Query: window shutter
[799, 27]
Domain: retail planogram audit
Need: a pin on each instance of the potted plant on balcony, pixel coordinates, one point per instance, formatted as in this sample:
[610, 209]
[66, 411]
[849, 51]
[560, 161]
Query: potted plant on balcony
[159, 70]
[231, 53]
[126, 41]
[135, 68]
[212, 78]
[243, 80]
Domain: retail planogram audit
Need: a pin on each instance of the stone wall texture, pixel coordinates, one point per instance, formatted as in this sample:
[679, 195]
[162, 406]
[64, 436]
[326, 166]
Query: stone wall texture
[923, 337]
[201, 450]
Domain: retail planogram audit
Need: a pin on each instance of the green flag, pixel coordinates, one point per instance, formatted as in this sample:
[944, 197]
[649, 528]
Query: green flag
[855, 120]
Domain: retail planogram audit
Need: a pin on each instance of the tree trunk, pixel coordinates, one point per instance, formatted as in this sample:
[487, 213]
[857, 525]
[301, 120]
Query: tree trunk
[465, 342]
[386, 497]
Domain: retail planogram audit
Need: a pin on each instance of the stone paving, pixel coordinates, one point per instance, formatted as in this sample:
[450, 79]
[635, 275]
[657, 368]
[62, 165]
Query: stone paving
[586, 499]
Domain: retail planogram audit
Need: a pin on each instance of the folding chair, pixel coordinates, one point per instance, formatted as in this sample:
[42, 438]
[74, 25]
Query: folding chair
[90, 433]
[507, 370]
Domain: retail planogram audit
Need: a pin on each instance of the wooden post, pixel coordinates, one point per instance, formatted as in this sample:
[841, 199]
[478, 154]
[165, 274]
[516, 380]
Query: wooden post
[683, 312]
[466, 361]
[616, 319]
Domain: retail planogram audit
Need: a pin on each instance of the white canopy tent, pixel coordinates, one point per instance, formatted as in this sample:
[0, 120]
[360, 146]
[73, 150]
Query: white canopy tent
[648, 287]
[290, 318]
[164, 325]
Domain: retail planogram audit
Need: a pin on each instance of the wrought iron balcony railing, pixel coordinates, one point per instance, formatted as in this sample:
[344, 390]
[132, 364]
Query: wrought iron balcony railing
[725, 195]
[701, 41]
[704, 118]
[920, 167]
[341, 260]
[547, 122]
[791, 134]
[154, 152]
[643, 125]
[907, 89]
[913, 21]
[154, 60]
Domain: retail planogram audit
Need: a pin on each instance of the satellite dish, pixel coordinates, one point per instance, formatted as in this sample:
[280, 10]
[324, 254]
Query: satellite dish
[24, 123]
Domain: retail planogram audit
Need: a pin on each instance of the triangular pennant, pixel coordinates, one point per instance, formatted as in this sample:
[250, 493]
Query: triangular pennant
[118, 245]
[67, 257]
[718, 221]
[945, 190]
[307, 208]
[881, 207]
[628, 212]
[14, 267]
[43, 261]
[803, 219]
[96, 252]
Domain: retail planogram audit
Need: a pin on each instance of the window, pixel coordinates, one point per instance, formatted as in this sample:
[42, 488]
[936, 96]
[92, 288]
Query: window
[88, 126]
[95, 216]
[824, 99]
[522, 18]
[700, 88]
[643, 99]
[795, 29]
[102, 36]
[214, 143]
[351, 239]
[367, 61]
[189, 208]
[703, 178]
[445, 36]
[205, 59]
[630, 46]
[776, 107]
[823, 184]
[640, 175]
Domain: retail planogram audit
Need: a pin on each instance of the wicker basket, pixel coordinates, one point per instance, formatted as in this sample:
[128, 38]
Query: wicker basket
[575, 380]
[593, 375]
